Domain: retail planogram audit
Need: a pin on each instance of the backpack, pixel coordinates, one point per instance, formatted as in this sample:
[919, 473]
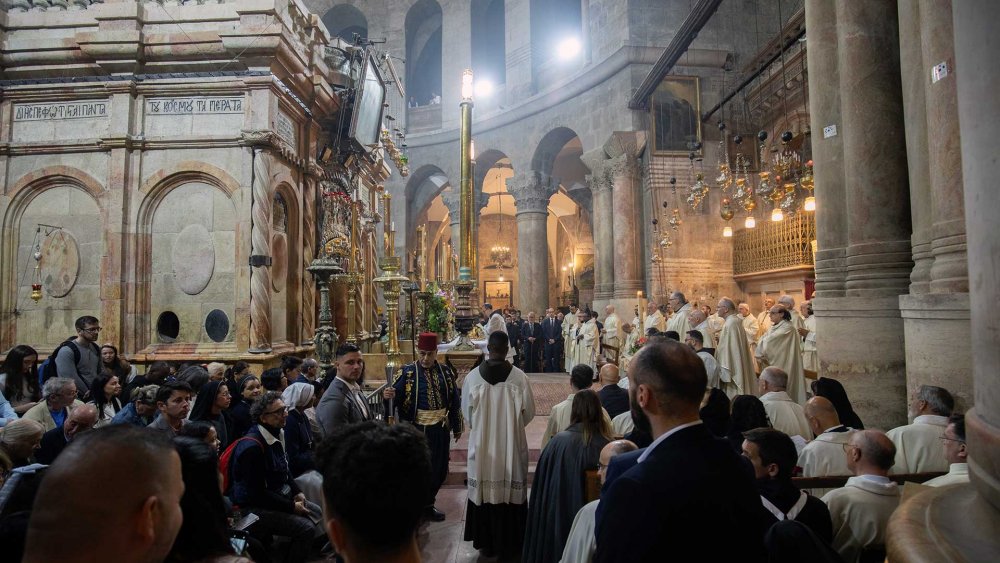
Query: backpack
[225, 461]
[47, 370]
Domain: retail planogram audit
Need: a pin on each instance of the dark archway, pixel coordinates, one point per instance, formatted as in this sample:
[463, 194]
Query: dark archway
[423, 51]
[489, 57]
[345, 21]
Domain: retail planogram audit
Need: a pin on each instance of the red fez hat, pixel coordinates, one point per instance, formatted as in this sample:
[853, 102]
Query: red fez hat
[427, 341]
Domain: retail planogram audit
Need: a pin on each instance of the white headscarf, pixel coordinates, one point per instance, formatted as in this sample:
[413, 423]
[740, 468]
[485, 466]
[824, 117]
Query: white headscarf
[298, 395]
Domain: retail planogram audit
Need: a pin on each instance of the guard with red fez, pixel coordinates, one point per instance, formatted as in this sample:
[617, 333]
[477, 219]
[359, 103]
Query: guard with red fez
[429, 398]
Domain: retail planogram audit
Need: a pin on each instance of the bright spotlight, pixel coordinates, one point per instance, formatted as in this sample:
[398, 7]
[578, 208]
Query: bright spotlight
[483, 88]
[568, 48]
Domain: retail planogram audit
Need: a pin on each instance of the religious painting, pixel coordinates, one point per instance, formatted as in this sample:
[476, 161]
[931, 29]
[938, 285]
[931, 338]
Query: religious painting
[676, 115]
[585, 269]
[747, 153]
[497, 293]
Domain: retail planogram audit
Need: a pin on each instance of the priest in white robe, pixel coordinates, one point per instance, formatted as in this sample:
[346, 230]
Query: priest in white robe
[498, 404]
[764, 318]
[824, 455]
[785, 414]
[583, 335]
[697, 321]
[782, 347]
[955, 452]
[860, 510]
[810, 358]
[752, 329]
[736, 369]
[788, 303]
[496, 323]
[611, 327]
[918, 445]
[567, 326]
[681, 308]
[654, 319]
[630, 335]
[714, 321]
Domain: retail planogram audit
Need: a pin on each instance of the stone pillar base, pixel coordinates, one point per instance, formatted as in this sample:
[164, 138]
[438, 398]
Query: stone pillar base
[938, 343]
[860, 343]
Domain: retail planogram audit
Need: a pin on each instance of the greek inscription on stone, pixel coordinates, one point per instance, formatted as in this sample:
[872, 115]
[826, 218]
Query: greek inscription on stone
[285, 128]
[193, 106]
[60, 110]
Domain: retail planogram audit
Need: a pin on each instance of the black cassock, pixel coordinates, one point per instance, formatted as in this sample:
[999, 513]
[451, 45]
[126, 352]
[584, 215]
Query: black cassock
[532, 350]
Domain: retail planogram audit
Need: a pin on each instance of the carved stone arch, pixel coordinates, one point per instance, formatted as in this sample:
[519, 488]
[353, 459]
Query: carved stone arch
[285, 261]
[23, 192]
[155, 191]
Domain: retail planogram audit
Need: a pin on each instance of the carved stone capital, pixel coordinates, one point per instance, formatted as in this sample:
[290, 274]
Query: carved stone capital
[531, 191]
[257, 138]
[624, 164]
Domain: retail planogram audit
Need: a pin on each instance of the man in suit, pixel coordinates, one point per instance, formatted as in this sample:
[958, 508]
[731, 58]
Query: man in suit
[685, 478]
[531, 340]
[344, 402]
[79, 420]
[552, 337]
[514, 324]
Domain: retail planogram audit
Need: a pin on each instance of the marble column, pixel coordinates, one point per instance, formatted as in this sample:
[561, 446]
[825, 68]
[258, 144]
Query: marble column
[828, 151]
[936, 312]
[925, 527]
[531, 194]
[603, 219]
[623, 174]
[877, 212]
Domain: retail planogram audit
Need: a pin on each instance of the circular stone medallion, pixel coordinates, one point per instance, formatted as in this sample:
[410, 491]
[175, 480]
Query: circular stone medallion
[60, 264]
[217, 325]
[193, 259]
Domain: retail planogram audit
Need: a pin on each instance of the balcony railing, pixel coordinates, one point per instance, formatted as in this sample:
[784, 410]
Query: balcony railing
[774, 246]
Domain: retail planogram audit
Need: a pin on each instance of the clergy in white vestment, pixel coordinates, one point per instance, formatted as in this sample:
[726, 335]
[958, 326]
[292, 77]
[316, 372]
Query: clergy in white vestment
[750, 325]
[580, 377]
[824, 455]
[622, 425]
[785, 414]
[764, 318]
[782, 347]
[955, 451]
[654, 319]
[860, 510]
[629, 337]
[498, 404]
[714, 321]
[788, 303]
[697, 321]
[611, 322]
[679, 320]
[918, 445]
[569, 321]
[496, 323]
[581, 542]
[810, 358]
[733, 353]
[584, 337]
[695, 340]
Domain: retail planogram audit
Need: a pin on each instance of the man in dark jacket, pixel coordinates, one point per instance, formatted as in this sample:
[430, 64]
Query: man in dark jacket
[344, 401]
[262, 483]
[552, 339]
[79, 420]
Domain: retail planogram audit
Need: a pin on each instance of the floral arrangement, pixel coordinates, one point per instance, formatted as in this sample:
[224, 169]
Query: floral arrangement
[439, 310]
[639, 343]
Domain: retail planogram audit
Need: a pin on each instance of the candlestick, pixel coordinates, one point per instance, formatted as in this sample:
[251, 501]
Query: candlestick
[387, 227]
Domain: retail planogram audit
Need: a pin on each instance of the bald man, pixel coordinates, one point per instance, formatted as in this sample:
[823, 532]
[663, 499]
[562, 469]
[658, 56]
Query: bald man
[824, 456]
[75, 519]
[860, 510]
[581, 543]
[614, 399]
[80, 420]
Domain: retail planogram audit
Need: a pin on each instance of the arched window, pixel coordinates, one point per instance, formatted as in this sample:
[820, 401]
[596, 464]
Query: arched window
[488, 41]
[346, 21]
[423, 51]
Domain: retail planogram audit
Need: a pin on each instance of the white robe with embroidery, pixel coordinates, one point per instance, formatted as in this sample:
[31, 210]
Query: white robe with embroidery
[584, 338]
[569, 321]
[679, 322]
[498, 448]
[656, 321]
[785, 414]
[782, 347]
[918, 445]
[735, 361]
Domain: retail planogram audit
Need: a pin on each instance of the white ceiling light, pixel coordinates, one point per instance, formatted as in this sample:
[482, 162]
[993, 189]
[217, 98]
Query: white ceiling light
[568, 48]
[483, 88]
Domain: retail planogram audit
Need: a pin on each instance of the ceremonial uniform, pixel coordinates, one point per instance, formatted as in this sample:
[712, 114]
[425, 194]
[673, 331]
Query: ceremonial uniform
[430, 400]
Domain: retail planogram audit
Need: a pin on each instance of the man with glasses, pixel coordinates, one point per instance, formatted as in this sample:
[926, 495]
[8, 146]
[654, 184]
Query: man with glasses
[955, 451]
[80, 358]
[263, 484]
[781, 347]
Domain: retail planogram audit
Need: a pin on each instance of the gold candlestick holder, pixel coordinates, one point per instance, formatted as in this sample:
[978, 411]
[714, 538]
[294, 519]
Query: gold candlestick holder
[391, 284]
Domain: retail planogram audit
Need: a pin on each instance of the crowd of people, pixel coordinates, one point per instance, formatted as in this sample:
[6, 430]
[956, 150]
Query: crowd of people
[227, 465]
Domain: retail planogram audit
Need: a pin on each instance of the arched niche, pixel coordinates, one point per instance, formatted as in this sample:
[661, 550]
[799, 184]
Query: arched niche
[346, 21]
[423, 50]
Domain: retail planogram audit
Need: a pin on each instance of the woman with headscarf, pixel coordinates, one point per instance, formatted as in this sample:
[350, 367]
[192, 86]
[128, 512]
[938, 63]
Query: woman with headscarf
[833, 391]
[210, 406]
[714, 411]
[299, 441]
[748, 413]
[248, 388]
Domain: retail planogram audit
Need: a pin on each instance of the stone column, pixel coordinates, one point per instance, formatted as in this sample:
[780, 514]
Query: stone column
[828, 152]
[260, 241]
[878, 259]
[623, 173]
[531, 194]
[603, 218]
[309, 239]
[924, 528]
[936, 312]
